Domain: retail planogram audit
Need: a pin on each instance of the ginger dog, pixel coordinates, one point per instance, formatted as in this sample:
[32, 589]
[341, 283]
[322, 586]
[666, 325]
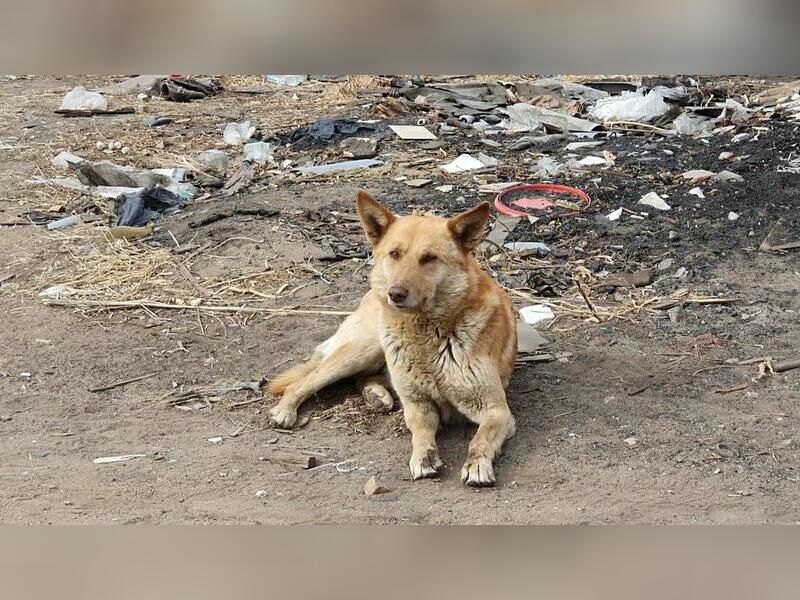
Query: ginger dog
[443, 329]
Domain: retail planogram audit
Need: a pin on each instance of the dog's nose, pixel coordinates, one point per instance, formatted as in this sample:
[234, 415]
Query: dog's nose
[398, 294]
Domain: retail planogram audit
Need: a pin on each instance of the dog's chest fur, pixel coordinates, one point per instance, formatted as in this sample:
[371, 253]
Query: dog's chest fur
[442, 363]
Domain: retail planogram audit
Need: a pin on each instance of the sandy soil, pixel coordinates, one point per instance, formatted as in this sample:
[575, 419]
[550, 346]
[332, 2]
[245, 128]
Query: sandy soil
[697, 452]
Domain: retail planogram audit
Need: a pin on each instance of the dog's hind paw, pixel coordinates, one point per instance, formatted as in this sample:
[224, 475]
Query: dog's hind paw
[425, 464]
[283, 417]
[378, 397]
[478, 472]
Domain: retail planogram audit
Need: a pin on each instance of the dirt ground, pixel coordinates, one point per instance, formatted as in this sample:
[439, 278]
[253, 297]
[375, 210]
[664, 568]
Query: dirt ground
[643, 418]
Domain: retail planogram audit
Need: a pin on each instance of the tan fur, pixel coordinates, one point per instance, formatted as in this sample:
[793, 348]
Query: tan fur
[292, 375]
[440, 326]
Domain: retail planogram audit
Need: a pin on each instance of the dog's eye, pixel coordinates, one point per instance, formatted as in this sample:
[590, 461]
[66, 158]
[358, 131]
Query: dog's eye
[394, 254]
[427, 259]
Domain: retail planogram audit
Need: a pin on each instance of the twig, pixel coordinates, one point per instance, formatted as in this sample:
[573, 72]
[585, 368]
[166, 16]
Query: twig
[115, 384]
[126, 304]
[586, 299]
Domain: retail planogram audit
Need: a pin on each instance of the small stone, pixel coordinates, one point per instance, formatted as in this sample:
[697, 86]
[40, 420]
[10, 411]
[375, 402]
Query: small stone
[666, 264]
[726, 155]
[418, 183]
[732, 216]
[674, 314]
[631, 441]
[117, 145]
[445, 188]
[371, 488]
[100, 145]
[215, 440]
[261, 494]
[125, 150]
[359, 147]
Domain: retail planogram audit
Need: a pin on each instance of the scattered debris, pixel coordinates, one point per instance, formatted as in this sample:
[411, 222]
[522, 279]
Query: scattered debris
[696, 191]
[536, 313]
[236, 134]
[215, 440]
[290, 80]
[359, 147]
[106, 460]
[371, 488]
[259, 152]
[347, 165]
[184, 89]
[631, 441]
[412, 132]
[78, 99]
[615, 215]
[654, 200]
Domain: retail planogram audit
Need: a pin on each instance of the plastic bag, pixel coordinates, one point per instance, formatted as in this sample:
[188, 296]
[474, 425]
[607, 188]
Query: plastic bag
[260, 152]
[79, 99]
[236, 134]
[630, 106]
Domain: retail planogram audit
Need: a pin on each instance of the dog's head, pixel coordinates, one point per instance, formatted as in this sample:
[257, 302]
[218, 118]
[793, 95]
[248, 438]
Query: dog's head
[421, 261]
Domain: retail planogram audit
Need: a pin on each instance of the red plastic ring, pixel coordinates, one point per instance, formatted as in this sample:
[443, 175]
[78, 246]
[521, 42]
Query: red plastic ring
[541, 187]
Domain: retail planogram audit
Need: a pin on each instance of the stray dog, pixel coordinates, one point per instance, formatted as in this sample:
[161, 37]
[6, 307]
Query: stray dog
[440, 325]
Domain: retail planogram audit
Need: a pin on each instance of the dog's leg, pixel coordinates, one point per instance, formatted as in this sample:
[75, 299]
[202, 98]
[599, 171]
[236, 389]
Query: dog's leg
[422, 420]
[349, 359]
[375, 390]
[495, 425]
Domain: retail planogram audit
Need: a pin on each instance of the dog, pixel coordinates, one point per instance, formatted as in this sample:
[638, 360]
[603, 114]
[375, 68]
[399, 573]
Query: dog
[433, 321]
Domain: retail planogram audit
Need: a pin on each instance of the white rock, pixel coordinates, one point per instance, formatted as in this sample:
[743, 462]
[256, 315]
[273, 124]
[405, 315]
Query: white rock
[654, 200]
[614, 216]
[696, 191]
[732, 216]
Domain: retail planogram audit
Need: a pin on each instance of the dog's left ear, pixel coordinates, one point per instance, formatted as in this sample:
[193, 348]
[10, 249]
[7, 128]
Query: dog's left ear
[467, 228]
[375, 217]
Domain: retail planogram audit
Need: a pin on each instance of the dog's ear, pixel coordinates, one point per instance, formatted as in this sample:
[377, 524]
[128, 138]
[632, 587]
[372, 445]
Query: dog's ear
[467, 228]
[375, 217]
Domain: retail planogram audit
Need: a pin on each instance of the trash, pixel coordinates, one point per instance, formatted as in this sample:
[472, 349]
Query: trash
[64, 223]
[259, 152]
[654, 200]
[464, 162]
[236, 134]
[160, 122]
[65, 160]
[105, 460]
[290, 80]
[572, 146]
[139, 208]
[615, 215]
[630, 106]
[529, 141]
[261, 494]
[347, 165]
[215, 440]
[541, 248]
[106, 173]
[732, 216]
[488, 160]
[529, 340]
[359, 147]
[533, 203]
[547, 167]
[686, 125]
[184, 89]
[503, 225]
[696, 191]
[631, 441]
[242, 178]
[727, 176]
[78, 99]
[418, 183]
[524, 115]
[213, 161]
[128, 233]
[296, 459]
[536, 313]
[740, 137]
[324, 131]
[412, 132]
[698, 175]
[726, 155]
[371, 488]
[639, 278]
[594, 161]
[444, 188]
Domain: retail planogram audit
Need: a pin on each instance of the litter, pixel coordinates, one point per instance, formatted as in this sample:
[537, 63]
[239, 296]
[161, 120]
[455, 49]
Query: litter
[522, 117]
[347, 165]
[105, 460]
[547, 167]
[65, 160]
[259, 152]
[615, 215]
[536, 313]
[412, 132]
[290, 80]
[654, 200]
[139, 208]
[418, 183]
[64, 223]
[529, 141]
[572, 146]
[686, 125]
[525, 115]
[464, 162]
[324, 131]
[236, 134]
[511, 191]
[132, 84]
[630, 106]
[184, 89]
[533, 203]
[160, 122]
[78, 99]
[696, 191]
[444, 188]
[359, 147]
[540, 248]
[594, 161]
[529, 340]
[727, 176]
[213, 161]
[732, 216]
[215, 440]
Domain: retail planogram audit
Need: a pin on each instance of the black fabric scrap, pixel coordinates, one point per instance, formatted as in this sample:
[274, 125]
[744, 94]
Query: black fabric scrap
[325, 131]
[137, 209]
[184, 89]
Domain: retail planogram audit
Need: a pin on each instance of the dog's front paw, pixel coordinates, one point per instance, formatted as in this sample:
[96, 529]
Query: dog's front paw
[283, 417]
[378, 397]
[478, 472]
[425, 464]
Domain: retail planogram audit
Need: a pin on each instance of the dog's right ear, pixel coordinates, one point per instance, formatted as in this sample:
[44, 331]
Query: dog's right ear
[375, 217]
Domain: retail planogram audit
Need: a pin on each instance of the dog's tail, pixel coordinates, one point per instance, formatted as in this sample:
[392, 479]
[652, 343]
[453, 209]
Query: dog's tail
[286, 378]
